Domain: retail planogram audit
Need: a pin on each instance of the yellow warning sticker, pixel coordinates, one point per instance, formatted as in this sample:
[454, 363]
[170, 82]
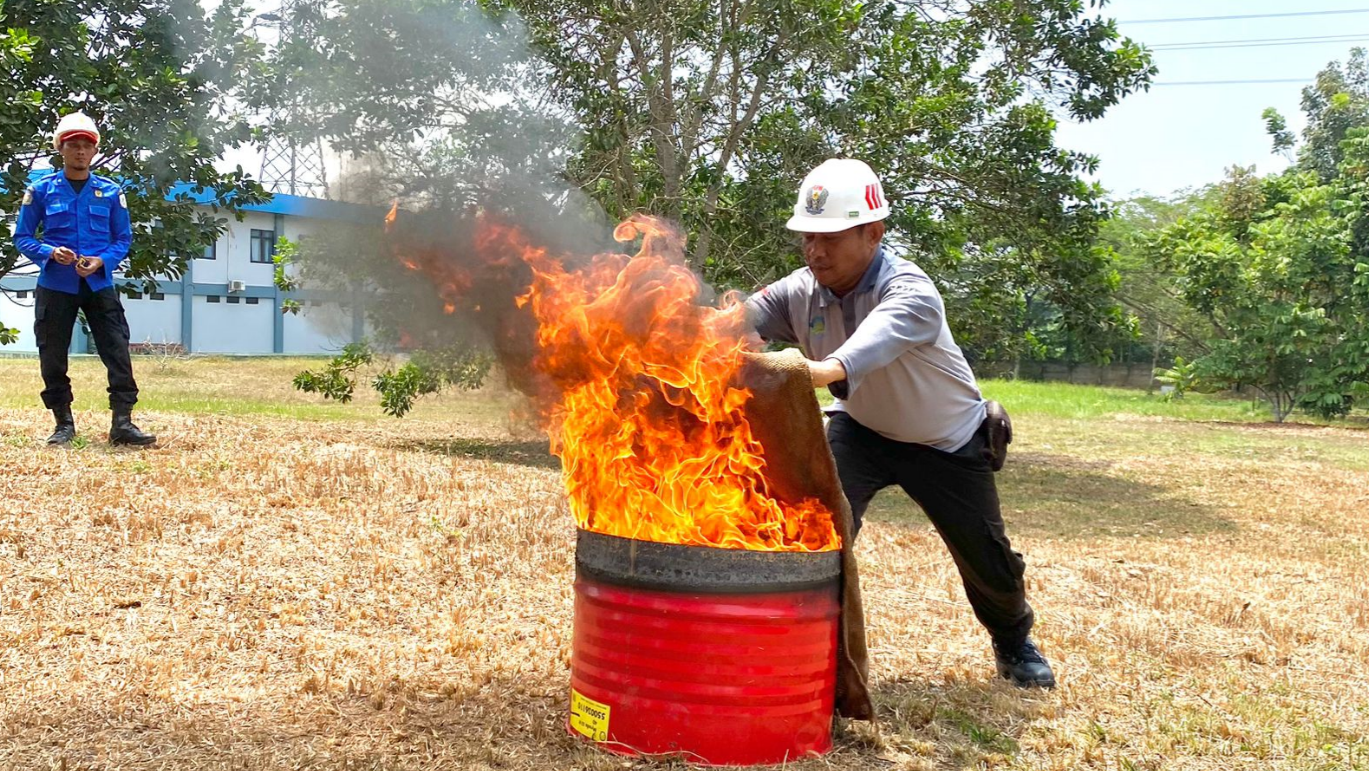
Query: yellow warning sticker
[588, 716]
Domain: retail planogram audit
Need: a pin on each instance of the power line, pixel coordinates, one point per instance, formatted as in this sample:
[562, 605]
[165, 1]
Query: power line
[1246, 16]
[1231, 82]
[1263, 45]
[1258, 42]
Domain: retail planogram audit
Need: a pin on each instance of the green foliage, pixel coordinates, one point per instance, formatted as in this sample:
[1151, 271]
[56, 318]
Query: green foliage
[1166, 327]
[399, 388]
[158, 77]
[1337, 103]
[428, 373]
[338, 379]
[286, 253]
[1277, 127]
[1274, 265]
[8, 335]
[712, 114]
[1181, 378]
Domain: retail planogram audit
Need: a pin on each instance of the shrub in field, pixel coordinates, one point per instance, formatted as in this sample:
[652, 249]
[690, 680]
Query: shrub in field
[427, 372]
[1181, 378]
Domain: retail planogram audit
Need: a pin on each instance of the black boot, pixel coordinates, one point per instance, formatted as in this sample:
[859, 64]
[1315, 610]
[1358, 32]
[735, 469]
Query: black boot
[124, 432]
[66, 425]
[1021, 662]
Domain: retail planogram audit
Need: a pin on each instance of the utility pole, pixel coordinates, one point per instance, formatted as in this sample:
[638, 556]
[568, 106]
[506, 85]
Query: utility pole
[287, 165]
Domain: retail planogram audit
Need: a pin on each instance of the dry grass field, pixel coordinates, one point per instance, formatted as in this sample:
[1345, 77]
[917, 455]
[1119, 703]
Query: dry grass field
[286, 584]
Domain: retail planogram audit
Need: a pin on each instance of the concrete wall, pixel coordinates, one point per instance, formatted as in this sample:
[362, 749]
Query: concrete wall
[1135, 375]
[18, 314]
[224, 327]
[235, 253]
[321, 327]
[154, 322]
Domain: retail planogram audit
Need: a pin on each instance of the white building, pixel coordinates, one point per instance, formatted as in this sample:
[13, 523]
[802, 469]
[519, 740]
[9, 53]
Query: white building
[227, 301]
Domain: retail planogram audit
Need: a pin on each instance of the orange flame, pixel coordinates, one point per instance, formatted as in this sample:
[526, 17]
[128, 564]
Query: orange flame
[641, 395]
[650, 425]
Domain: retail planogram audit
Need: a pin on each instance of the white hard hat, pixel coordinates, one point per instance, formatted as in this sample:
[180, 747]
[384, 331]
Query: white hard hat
[73, 125]
[839, 194]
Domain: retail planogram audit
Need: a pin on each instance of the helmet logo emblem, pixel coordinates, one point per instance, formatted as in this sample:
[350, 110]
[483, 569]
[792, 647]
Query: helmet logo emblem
[816, 199]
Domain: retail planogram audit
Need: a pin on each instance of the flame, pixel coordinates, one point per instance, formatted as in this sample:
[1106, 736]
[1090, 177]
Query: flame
[641, 396]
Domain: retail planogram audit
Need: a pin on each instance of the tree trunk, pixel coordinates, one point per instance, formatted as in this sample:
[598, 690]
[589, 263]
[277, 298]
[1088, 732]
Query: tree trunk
[1155, 359]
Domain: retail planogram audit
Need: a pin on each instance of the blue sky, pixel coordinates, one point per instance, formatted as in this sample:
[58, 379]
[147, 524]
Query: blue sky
[1174, 137]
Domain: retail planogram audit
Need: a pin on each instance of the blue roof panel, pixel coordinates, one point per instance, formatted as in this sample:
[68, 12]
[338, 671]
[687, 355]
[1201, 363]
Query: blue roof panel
[280, 203]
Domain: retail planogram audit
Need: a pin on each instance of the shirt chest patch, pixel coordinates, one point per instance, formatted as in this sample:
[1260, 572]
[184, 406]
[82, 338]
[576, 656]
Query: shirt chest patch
[817, 325]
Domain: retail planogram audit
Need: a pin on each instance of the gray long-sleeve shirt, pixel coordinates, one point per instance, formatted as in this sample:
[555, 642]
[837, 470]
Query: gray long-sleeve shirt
[905, 376]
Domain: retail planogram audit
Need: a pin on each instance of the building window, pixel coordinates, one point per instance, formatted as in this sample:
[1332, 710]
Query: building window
[21, 295]
[252, 301]
[233, 300]
[158, 296]
[213, 298]
[211, 252]
[263, 245]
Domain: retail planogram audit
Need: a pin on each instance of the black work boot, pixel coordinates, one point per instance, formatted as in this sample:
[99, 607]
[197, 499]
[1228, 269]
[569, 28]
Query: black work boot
[122, 431]
[1021, 662]
[66, 425]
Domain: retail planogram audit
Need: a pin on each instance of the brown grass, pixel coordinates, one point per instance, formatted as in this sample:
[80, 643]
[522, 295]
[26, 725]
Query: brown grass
[265, 592]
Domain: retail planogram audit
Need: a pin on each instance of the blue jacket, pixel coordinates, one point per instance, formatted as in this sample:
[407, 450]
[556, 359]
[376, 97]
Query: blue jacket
[94, 223]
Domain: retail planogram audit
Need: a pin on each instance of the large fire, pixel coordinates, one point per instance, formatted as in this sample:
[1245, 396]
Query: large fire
[642, 401]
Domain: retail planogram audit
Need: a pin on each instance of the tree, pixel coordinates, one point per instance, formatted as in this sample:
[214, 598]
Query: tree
[1334, 105]
[159, 77]
[709, 113]
[1279, 266]
[1272, 264]
[1277, 127]
[437, 100]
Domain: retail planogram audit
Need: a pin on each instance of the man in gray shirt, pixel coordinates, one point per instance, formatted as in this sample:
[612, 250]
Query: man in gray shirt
[908, 411]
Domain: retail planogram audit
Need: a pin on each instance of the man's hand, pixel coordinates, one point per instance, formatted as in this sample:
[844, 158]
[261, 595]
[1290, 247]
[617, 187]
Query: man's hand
[63, 255]
[89, 266]
[826, 372]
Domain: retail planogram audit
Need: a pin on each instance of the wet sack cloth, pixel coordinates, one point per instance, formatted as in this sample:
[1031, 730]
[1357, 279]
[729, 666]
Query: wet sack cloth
[786, 418]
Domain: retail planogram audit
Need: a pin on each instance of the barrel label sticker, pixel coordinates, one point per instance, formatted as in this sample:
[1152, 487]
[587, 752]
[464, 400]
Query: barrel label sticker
[588, 716]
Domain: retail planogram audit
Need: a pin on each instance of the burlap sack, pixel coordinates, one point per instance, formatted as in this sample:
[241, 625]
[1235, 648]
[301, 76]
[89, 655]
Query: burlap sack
[785, 416]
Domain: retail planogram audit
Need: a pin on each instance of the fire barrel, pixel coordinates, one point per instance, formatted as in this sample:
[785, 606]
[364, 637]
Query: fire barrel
[719, 656]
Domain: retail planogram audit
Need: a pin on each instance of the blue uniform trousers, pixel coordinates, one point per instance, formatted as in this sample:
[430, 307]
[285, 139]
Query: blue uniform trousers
[55, 318]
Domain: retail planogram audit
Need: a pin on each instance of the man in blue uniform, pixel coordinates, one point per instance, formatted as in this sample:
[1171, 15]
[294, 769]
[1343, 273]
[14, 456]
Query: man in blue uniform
[908, 411]
[75, 227]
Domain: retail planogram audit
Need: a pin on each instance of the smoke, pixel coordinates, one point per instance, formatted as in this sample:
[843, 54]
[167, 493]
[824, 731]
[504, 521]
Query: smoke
[443, 107]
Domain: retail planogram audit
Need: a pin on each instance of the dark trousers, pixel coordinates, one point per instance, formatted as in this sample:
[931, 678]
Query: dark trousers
[54, 318]
[958, 493]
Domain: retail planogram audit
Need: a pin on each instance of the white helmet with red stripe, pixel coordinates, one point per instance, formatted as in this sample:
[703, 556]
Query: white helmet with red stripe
[72, 125]
[839, 194]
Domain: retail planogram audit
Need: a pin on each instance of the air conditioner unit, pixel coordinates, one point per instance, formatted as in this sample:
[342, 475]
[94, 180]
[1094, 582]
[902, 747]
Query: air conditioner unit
[237, 286]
